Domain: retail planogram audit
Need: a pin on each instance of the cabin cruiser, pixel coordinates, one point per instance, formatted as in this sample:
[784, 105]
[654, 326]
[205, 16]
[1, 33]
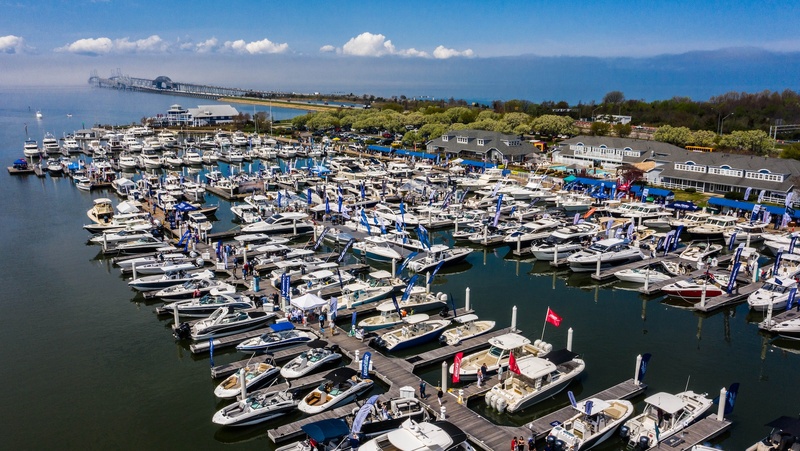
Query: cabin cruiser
[376, 248]
[782, 241]
[284, 223]
[539, 378]
[788, 323]
[469, 326]
[640, 275]
[102, 210]
[690, 219]
[609, 252]
[224, 322]
[201, 307]
[437, 254]
[774, 294]
[312, 360]
[158, 282]
[49, 144]
[380, 285]
[714, 228]
[536, 230]
[166, 265]
[413, 436]
[127, 265]
[256, 409]
[705, 285]
[341, 386]
[497, 356]
[564, 242]
[594, 422]
[195, 287]
[664, 415]
[282, 335]
[392, 215]
[30, 148]
[417, 329]
[256, 375]
[746, 232]
[143, 244]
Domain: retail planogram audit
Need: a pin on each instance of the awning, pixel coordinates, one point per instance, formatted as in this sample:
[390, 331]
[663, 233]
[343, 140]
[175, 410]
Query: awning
[637, 189]
[478, 164]
[748, 206]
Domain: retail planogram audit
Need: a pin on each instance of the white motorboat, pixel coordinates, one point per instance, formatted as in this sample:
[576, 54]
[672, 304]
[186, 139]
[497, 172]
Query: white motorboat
[144, 244]
[439, 253]
[539, 379]
[788, 323]
[193, 288]
[714, 228]
[664, 415]
[318, 356]
[426, 436]
[706, 286]
[83, 183]
[690, 219]
[161, 281]
[380, 285]
[201, 307]
[391, 414]
[291, 222]
[282, 335]
[30, 148]
[564, 242]
[126, 265]
[341, 386]
[640, 275]
[256, 375]
[747, 232]
[111, 238]
[167, 265]
[102, 210]
[317, 280]
[774, 294]
[469, 326]
[539, 229]
[609, 252]
[223, 322]
[418, 301]
[417, 329]
[498, 354]
[256, 409]
[700, 250]
[50, 143]
[376, 248]
[596, 421]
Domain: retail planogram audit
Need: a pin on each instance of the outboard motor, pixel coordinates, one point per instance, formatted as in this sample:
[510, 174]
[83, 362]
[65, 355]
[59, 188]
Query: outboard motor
[644, 442]
[182, 332]
[551, 441]
[558, 446]
[624, 431]
[334, 348]
[445, 312]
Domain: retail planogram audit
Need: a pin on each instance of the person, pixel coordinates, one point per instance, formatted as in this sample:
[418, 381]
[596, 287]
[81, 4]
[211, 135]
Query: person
[422, 386]
[480, 378]
[245, 267]
[520, 444]
[385, 412]
[196, 293]
[322, 320]
[276, 298]
[513, 443]
[439, 395]
[484, 372]
[531, 444]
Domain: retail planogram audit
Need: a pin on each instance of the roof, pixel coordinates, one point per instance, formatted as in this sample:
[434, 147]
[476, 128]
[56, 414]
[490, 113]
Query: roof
[598, 405]
[466, 318]
[381, 274]
[418, 318]
[533, 367]
[324, 430]
[207, 111]
[636, 189]
[667, 402]
[730, 203]
[509, 341]
[490, 139]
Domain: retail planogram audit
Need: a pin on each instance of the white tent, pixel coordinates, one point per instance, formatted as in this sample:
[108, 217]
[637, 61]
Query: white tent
[308, 301]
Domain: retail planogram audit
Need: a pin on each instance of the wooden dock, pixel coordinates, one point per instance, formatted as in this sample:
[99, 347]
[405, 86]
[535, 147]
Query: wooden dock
[541, 426]
[697, 433]
[291, 431]
[446, 352]
[724, 300]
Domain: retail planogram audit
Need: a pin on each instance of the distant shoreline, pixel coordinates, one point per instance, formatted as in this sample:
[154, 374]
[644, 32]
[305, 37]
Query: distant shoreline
[281, 103]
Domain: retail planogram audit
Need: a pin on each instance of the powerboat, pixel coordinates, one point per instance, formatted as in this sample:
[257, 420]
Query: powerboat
[376, 248]
[291, 222]
[256, 375]
[714, 228]
[784, 435]
[774, 294]
[168, 279]
[282, 335]
[317, 280]
[143, 244]
[167, 265]
[126, 265]
[329, 434]
[539, 229]
[700, 250]
[712, 285]
[469, 326]
[664, 415]
[539, 378]
[640, 275]
[223, 322]
[418, 329]
[439, 253]
[341, 386]
[789, 323]
[418, 301]
[380, 285]
[747, 232]
[426, 436]
[497, 356]
[192, 288]
[391, 414]
[102, 210]
[564, 241]
[317, 356]
[201, 307]
[120, 236]
[594, 422]
[256, 409]
[609, 252]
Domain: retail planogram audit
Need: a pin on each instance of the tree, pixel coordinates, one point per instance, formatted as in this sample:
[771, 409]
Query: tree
[600, 128]
[554, 125]
[614, 97]
[679, 136]
[792, 152]
[622, 130]
[705, 138]
[629, 173]
[756, 141]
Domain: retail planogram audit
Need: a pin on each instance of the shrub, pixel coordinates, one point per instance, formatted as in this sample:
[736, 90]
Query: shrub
[734, 195]
[691, 190]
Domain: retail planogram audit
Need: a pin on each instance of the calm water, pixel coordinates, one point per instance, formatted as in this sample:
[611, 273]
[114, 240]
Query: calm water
[87, 364]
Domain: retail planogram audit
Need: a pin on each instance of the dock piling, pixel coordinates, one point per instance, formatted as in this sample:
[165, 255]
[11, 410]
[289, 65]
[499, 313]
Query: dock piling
[428, 282]
[638, 367]
[466, 299]
[244, 385]
[444, 376]
[569, 339]
[514, 319]
[723, 393]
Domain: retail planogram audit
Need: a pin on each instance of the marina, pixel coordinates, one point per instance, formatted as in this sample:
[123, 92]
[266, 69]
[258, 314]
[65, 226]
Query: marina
[115, 325]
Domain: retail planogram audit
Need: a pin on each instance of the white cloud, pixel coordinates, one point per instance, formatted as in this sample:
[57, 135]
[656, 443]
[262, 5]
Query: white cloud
[442, 52]
[207, 46]
[327, 48]
[368, 44]
[89, 46]
[414, 53]
[256, 47]
[152, 44]
[105, 46]
[13, 44]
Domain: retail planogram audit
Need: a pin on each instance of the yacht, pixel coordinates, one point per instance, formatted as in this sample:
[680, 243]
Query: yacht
[564, 242]
[158, 282]
[380, 285]
[594, 422]
[223, 322]
[439, 254]
[282, 335]
[497, 356]
[691, 219]
[609, 252]
[700, 250]
[376, 248]
[256, 409]
[539, 378]
[201, 307]
[664, 415]
[535, 230]
[193, 288]
[417, 329]
[50, 144]
[469, 326]
[714, 228]
[294, 223]
[318, 356]
[427, 436]
[30, 148]
[746, 232]
[341, 386]
[102, 210]
[773, 294]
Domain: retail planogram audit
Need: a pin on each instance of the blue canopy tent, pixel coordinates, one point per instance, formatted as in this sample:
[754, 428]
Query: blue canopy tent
[324, 430]
[383, 149]
[721, 202]
[478, 164]
[412, 153]
[654, 192]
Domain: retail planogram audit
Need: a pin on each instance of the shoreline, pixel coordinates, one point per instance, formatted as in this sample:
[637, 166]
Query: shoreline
[282, 104]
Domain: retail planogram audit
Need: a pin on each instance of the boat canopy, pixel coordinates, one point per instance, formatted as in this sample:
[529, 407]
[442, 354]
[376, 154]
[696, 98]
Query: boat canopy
[418, 318]
[535, 367]
[667, 402]
[466, 318]
[323, 430]
[381, 274]
[786, 424]
[509, 341]
[317, 344]
[598, 405]
[279, 327]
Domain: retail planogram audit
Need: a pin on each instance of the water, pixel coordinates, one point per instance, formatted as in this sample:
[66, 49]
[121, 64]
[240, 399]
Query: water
[88, 364]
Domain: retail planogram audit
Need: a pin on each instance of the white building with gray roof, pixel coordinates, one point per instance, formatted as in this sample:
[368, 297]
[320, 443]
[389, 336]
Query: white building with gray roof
[481, 145]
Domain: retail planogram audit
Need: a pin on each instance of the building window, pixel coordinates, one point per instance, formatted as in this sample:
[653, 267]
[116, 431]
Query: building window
[462, 140]
[445, 138]
[480, 141]
[689, 166]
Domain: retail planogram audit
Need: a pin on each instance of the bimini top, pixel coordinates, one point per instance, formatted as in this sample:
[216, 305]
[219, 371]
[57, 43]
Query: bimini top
[323, 430]
[509, 341]
[667, 402]
[341, 374]
[598, 405]
[279, 327]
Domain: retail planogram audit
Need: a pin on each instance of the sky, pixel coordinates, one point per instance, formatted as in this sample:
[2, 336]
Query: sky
[417, 47]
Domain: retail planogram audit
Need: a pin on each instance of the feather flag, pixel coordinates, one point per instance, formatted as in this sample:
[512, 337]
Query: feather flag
[457, 368]
[747, 193]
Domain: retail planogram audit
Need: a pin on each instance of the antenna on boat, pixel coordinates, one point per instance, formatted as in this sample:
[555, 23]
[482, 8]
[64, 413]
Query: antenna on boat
[687, 383]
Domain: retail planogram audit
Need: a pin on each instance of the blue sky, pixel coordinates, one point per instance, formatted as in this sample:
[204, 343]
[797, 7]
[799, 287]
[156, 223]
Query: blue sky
[79, 36]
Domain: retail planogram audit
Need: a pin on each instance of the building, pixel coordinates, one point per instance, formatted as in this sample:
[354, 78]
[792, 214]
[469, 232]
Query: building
[200, 116]
[481, 145]
[674, 167]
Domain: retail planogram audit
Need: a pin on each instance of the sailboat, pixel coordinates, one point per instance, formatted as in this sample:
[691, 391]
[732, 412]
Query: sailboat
[38, 114]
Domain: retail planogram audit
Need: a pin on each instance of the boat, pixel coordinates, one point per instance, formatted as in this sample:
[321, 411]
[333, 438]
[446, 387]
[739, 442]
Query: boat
[54, 167]
[127, 265]
[102, 210]
[418, 329]
[30, 148]
[469, 326]
[784, 435]
[317, 280]
[83, 183]
[143, 244]
[191, 288]
[256, 375]
[50, 144]
[747, 232]
[595, 422]
[690, 219]
[341, 386]
[700, 250]
[376, 248]
[497, 356]
[290, 222]
[282, 335]
[317, 356]
[439, 253]
[788, 324]
[539, 229]
[424, 436]
[640, 275]
[609, 252]
[201, 307]
[664, 415]
[564, 242]
[328, 435]
[714, 228]
[224, 322]
[110, 238]
[167, 265]
[418, 301]
[774, 294]
[539, 378]
[256, 409]
[711, 284]
[379, 285]
[168, 279]
[385, 416]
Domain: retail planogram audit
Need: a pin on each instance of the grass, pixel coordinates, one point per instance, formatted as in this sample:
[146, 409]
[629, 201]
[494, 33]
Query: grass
[698, 198]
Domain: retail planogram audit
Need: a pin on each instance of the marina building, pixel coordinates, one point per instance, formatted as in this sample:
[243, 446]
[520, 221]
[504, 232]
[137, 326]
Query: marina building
[481, 145]
[674, 167]
[200, 116]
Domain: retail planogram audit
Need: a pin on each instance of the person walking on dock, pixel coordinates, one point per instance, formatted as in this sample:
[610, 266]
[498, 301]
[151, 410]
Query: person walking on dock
[422, 394]
[439, 395]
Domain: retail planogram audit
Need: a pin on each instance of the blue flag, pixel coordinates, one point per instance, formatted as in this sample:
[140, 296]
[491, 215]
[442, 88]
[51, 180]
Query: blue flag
[435, 270]
[790, 301]
[643, 367]
[738, 253]
[571, 397]
[308, 194]
[777, 262]
[734, 273]
[747, 193]
[405, 262]
[321, 236]
[365, 222]
[364, 411]
[327, 205]
[210, 349]
[365, 365]
[353, 319]
[732, 241]
[792, 243]
[339, 200]
[363, 191]
[411, 283]
[346, 248]
[396, 305]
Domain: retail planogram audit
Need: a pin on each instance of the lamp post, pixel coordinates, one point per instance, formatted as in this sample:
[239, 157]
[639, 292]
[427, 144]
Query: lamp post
[594, 111]
[722, 124]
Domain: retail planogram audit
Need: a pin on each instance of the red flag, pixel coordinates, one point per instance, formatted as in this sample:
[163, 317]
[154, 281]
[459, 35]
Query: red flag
[512, 364]
[552, 318]
[457, 368]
